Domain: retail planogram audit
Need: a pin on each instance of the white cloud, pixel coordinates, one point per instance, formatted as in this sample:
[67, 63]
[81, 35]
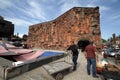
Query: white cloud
[36, 10]
[116, 16]
[90, 5]
[104, 8]
[114, 0]
[5, 4]
[33, 9]
[19, 22]
[20, 35]
[68, 5]
[95, 3]
[76, 3]
[91, 2]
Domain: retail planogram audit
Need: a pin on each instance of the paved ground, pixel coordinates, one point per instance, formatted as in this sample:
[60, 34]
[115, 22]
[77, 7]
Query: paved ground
[80, 73]
[41, 74]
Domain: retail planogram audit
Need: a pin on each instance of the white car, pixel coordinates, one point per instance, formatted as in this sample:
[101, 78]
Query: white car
[112, 54]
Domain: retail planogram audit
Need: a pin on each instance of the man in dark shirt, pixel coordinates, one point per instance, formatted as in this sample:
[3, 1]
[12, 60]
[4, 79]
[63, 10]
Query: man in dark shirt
[91, 56]
[74, 48]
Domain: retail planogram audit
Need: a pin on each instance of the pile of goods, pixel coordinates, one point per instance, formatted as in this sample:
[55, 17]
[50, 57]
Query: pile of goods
[111, 71]
[100, 65]
[112, 68]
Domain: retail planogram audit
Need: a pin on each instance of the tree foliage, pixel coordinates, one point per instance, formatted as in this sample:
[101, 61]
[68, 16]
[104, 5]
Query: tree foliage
[104, 41]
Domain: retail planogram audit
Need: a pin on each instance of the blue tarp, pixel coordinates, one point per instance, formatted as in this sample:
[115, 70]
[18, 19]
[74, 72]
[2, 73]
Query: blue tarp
[50, 53]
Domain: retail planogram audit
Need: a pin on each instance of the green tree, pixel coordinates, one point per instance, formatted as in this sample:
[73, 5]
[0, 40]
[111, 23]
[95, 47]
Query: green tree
[104, 41]
[24, 37]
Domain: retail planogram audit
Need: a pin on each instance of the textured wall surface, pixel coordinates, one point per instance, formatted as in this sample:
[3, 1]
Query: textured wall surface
[76, 24]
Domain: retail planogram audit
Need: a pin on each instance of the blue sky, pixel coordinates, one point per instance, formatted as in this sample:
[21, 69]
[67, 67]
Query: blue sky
[23, 13]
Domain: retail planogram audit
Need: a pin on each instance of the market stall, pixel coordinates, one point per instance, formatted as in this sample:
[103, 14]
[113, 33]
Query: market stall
[111, 72]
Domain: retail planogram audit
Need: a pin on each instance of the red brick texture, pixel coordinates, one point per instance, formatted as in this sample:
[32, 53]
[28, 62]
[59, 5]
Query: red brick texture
[76, 24]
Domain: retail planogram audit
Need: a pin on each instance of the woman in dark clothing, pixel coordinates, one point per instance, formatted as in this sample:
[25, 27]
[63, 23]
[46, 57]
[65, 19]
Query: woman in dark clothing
[74, 48]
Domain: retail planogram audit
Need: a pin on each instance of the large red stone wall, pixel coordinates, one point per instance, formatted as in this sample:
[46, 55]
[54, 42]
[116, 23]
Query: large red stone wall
[76, 24]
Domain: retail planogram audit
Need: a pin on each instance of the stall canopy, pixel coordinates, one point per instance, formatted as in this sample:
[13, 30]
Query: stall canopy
[20, 54]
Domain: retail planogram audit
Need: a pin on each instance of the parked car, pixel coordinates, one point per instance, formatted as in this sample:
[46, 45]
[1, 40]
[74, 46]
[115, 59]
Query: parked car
[16, 43]
[110, 52]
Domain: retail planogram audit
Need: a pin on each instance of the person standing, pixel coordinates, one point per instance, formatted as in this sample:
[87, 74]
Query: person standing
[74, 48]
[91, 56]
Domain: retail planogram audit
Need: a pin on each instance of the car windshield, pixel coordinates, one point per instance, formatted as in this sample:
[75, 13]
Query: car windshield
[110, 50]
